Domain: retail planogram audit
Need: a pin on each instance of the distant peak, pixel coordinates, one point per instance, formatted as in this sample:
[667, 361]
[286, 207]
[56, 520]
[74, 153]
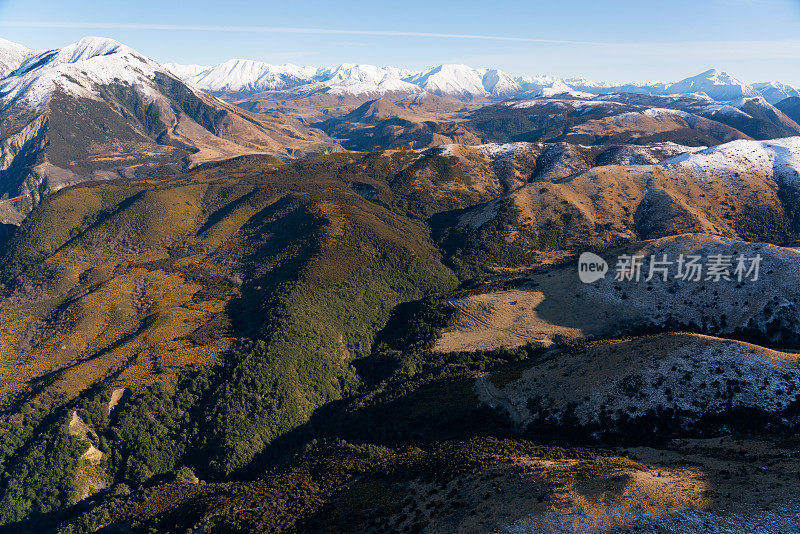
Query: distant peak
[454, 67]
[6, 44]
[90, 47]
[241, 61]
[96, 45]
[95, 40]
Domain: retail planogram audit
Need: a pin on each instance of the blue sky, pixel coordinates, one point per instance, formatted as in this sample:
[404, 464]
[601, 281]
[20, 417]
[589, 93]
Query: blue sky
[604, 40]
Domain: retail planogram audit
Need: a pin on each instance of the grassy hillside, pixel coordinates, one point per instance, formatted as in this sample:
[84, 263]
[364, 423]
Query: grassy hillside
[291, 336]
[267, 279]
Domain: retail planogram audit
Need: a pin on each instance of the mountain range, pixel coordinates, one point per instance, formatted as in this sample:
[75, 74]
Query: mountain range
[257, 298]
[297, 334]
[97, 109]
[241, 75]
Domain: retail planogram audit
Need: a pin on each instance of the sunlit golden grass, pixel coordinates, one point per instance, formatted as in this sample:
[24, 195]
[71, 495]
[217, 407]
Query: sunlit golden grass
[125, 274]
[109, 334]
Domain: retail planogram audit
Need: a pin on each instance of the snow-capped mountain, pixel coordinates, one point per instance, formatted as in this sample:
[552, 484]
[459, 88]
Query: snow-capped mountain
[240, 75]
[498, 83]
[545, 86]
[243, 75]
[535, 83]
[248, 75]
[403, 74]
[774, 92]
[719, 85]
[77, 69]
[464, 81]
[12, 55]
[349, 78]
[599, 88]
[97, 109]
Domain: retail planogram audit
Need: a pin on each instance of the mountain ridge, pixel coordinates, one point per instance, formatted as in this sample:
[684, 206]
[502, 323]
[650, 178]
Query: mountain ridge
[97, 109]
[463, 81]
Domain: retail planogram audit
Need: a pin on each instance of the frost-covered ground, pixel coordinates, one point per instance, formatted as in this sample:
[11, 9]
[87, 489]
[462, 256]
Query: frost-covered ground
[781, 521]
[687, 375]
[778, 159]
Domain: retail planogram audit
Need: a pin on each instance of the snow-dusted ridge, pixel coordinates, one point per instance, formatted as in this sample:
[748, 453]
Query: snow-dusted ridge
[249, 75]
[77, 69]
[778, 158]
[12, 55]
[774, 92]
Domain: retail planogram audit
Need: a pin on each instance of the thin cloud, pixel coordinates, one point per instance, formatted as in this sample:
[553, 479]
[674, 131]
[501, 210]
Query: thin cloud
[273, 29]
[710, 50]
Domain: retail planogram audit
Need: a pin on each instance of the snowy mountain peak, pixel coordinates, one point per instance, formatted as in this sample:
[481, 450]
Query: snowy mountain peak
[774, 92]
[97, 52]
[544, 86]
[358, 79]
[713, 73]
[718, 77]
[77, 69]
[12, 55]
[462, 80]
[250, 75]
[351, 72]
[716, 84]
[90, 47]
[5, 44]
[243, 69]
[451, 79]
[499, 83]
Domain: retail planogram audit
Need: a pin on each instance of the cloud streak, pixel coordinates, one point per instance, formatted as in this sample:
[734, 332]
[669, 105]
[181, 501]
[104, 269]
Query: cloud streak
[277, 29]
[780, 49]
